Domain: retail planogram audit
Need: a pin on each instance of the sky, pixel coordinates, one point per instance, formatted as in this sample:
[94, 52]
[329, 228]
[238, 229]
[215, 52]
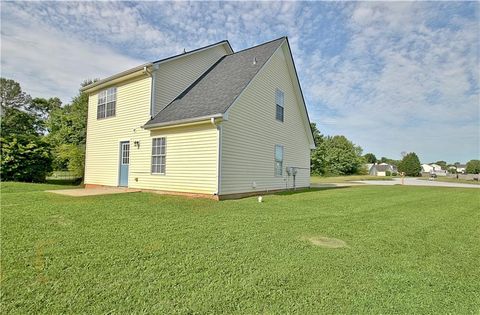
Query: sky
[391, 76]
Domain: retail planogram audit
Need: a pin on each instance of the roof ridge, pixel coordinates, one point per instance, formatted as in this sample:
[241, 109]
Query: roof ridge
[270, 41]
[194, 50]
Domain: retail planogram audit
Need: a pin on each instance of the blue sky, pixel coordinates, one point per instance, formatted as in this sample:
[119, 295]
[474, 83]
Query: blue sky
[391, 76]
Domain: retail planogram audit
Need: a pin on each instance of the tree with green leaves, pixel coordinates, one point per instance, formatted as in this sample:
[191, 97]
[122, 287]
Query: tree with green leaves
[16, 121]
[12, 95]
[389, 161]
[67, 132]
[410, 164]
[25, 156]
[337, 156]
[317, 135]
[42, 108]
[370, 158]
[316, 161]
[473, 167]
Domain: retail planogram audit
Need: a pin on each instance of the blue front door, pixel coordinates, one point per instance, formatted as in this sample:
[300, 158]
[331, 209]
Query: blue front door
[124, 162]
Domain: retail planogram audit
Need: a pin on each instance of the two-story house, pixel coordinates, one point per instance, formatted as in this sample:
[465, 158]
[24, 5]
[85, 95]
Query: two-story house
[211, 122]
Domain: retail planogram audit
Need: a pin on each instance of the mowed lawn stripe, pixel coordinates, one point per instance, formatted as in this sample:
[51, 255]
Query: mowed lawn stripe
[408, 250]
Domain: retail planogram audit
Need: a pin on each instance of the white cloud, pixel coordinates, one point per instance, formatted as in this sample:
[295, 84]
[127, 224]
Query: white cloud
[403, 81]
[394, 69]
[49, 62]
[64, 43]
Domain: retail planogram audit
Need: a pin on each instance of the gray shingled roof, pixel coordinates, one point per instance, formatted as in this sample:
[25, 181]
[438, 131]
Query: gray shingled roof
[383, 167]
[219, 86]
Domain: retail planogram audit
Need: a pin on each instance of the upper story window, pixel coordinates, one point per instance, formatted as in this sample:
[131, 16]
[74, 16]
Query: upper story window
[107, 100]
[279, 101]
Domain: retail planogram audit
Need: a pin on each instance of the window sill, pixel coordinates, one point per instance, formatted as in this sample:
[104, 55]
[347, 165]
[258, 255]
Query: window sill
[106, 117]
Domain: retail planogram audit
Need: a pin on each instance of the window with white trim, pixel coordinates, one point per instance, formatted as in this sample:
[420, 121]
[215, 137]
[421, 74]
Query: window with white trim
[278, 160]
[107, 100]
[279, 102]
[125, 153]
[159, 153]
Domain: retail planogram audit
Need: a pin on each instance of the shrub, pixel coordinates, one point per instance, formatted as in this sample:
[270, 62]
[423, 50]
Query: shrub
[394, 174]
[74, 155]
[388, 173]
[24, 158]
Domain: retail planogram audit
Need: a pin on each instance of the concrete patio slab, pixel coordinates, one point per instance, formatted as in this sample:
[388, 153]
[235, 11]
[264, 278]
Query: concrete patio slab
[83, 192]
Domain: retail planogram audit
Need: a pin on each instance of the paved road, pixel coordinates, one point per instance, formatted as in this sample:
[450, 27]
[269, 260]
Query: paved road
[415, 182]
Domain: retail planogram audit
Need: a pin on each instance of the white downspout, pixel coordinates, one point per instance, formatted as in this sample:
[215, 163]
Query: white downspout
[219, 154]
[153, 75]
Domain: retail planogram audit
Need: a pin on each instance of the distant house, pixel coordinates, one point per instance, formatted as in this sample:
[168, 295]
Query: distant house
[436, 167]
[427, 168]
[433, 169]
[382, 169]
[210, 122]
[461, 168]
[368, 166]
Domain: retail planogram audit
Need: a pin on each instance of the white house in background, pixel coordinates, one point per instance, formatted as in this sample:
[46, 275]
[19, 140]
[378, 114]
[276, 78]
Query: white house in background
[368, 166]
[461, 168]
[436, 167]
[382, 169]
[426, 168]
[209, 122]
[433, 169]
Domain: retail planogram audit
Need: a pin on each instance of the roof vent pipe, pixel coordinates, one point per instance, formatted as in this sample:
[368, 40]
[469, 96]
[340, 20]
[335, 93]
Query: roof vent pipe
[254, 60]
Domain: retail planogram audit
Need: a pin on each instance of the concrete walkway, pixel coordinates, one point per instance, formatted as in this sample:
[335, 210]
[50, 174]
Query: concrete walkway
[93, 191]
[416, 182]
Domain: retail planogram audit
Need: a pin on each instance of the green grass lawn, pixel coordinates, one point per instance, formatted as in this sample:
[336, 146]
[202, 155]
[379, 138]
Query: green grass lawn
[345, 179]
[409, 250]
[453, 180]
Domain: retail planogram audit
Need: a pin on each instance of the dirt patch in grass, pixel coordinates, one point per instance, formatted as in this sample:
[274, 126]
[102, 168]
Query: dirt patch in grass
[60, 220]
[327, 242]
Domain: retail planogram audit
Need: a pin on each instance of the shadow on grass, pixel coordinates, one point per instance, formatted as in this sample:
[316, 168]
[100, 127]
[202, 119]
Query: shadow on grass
[308, 190]
[66, 182]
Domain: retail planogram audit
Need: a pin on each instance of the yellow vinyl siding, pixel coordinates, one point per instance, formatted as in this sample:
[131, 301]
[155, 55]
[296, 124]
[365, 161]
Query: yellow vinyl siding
[191, 160]
[104, 135]
[251, 133]
[174, 77]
